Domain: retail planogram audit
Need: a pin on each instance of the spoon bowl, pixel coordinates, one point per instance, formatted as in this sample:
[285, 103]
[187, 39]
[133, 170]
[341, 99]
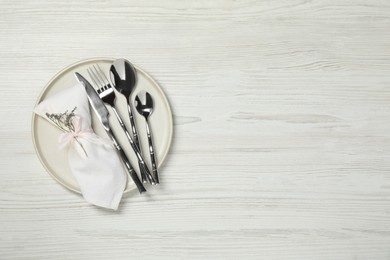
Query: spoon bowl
[144, 104]
[123, 77]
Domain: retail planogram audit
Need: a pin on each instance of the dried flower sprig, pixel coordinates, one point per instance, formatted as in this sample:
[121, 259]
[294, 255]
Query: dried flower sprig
[64, 121]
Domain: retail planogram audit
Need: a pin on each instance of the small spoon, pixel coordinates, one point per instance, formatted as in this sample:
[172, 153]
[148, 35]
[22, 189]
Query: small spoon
[123, 77]
[144, 105]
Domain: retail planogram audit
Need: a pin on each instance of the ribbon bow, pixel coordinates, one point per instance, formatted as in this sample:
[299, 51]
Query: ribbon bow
[66, 138]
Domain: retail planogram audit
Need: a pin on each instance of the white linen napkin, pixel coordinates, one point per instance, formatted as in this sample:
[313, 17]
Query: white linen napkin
[93, 160]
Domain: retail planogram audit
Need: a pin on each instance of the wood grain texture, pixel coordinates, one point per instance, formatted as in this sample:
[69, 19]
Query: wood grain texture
[281, 140]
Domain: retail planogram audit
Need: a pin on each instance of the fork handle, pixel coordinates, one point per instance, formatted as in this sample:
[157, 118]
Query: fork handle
[125, 160]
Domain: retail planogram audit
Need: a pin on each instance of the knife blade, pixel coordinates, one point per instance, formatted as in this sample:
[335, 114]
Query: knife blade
[96, 103]
[102, 113]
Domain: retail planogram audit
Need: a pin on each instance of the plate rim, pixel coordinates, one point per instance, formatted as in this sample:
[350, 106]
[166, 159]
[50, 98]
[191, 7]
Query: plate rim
[53, 78]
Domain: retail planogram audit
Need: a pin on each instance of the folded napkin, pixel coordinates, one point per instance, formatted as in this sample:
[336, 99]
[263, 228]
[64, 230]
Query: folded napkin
[93, 160]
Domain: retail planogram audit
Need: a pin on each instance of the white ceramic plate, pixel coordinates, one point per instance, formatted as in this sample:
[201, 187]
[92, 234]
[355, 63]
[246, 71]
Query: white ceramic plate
[45, 135]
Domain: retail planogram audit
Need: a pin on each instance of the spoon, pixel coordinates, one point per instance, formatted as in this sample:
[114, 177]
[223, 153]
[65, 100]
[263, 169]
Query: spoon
[123, 78]
[144, 106]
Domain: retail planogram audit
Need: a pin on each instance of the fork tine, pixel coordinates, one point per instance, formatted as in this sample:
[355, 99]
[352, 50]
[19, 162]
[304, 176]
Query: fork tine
[103, 74]
[93, 77]
[99, 76]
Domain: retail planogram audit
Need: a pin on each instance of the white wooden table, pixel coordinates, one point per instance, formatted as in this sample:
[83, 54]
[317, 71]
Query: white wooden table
[281, 136]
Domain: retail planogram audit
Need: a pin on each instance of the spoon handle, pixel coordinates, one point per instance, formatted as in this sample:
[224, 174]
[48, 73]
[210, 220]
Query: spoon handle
[152, 153]
[141, 162]
[135, 137]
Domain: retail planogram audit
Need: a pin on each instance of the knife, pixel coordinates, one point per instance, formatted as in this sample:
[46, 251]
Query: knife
[102, 113]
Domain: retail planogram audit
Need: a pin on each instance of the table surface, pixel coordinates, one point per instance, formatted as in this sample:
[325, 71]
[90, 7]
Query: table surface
[281, 129]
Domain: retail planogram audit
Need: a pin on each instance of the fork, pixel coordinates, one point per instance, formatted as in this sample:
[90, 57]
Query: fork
[107, 95]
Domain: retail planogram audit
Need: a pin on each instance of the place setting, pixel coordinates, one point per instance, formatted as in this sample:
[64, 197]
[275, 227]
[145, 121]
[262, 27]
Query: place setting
[103, 127]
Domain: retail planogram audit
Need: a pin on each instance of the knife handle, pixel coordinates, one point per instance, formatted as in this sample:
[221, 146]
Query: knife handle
[141, 162]
[125, 160]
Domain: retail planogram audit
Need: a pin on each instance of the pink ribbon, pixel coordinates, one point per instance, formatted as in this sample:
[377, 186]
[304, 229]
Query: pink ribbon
[66, 139]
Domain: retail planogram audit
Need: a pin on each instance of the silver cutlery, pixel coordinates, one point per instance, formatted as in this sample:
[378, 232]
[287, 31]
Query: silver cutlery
[102, 113]
[107, 95]
[123, 79]
[144, 105]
